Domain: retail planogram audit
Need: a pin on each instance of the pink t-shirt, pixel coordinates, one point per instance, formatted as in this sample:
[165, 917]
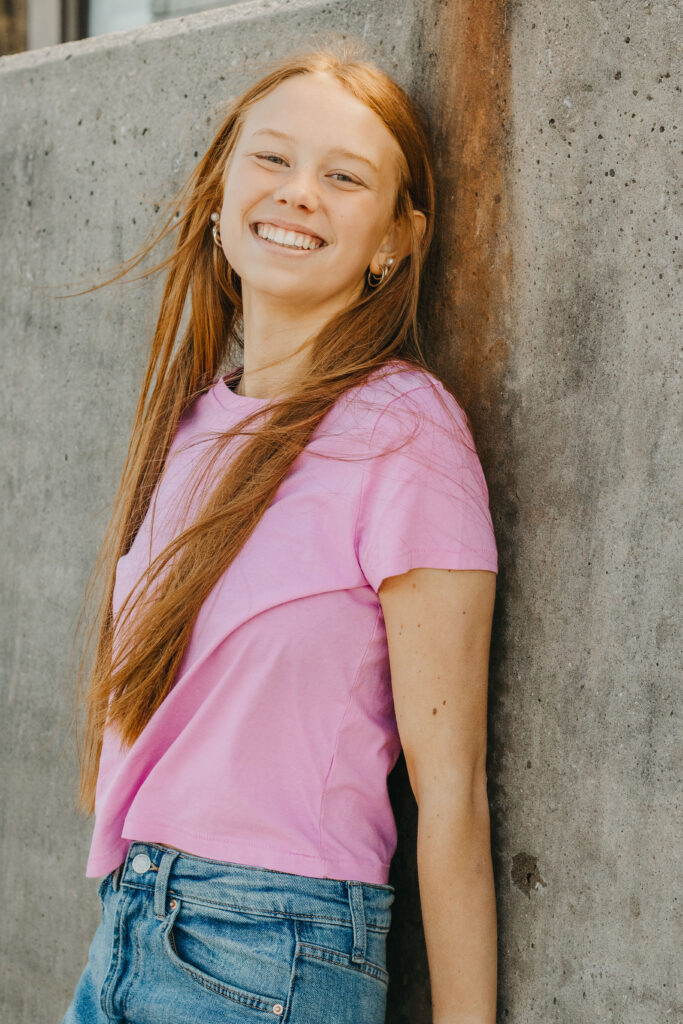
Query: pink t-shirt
[274, 745]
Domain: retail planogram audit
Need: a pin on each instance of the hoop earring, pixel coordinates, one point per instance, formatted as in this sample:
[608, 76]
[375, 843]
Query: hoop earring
[374, 280]
[215, 230]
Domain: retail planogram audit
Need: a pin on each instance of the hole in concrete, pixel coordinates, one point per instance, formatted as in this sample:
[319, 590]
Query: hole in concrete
[525, 874]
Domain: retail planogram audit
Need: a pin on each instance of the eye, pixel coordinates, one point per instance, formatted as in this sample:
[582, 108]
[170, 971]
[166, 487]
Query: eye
[345, 178]
[269, 156]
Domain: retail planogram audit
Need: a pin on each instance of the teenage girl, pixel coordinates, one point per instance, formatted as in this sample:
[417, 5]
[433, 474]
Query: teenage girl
[300, 579]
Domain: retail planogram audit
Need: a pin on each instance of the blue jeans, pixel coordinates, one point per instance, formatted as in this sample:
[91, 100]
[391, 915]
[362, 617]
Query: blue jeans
[185, 939]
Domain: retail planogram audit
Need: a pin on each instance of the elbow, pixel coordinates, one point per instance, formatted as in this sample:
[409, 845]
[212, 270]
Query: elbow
[462, 789]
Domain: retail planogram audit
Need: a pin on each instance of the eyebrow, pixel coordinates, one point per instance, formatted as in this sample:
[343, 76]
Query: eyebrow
[342, 152]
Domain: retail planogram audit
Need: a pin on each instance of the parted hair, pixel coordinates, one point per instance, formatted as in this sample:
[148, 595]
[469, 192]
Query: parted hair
[131, 660]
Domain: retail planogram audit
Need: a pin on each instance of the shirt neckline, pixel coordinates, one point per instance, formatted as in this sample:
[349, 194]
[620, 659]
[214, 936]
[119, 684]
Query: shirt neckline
[233, 401]
[229, 399]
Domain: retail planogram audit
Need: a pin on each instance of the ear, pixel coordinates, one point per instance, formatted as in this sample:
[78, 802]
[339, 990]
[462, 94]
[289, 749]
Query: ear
[396, 242]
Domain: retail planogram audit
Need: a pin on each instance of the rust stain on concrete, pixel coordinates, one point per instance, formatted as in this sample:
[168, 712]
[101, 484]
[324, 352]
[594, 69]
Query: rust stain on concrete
[469, 273]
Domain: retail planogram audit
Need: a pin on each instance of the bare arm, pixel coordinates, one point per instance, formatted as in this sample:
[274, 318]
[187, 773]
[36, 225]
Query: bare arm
[438, 624]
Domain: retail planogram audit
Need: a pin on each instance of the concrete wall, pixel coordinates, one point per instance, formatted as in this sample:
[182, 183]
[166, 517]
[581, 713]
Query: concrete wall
[549, 307]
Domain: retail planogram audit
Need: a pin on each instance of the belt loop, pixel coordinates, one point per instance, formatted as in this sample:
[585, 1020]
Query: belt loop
[161, 884]
[120, 870]
[355, 890]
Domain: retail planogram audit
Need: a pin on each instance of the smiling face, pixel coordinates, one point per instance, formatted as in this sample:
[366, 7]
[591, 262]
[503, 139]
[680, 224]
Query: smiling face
[309, 193]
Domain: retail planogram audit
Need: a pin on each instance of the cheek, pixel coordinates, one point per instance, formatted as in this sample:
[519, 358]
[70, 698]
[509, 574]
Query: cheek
[233, 206]
[241, 198]
[234, 220]
[361, 232]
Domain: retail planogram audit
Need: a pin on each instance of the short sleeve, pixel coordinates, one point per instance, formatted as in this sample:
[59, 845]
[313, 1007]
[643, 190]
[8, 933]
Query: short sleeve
[424, 500]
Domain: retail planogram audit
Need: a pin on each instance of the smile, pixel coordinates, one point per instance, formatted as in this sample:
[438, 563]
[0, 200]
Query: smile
[283, 239]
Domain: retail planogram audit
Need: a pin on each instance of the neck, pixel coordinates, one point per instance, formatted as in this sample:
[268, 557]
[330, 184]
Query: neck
[277, 333]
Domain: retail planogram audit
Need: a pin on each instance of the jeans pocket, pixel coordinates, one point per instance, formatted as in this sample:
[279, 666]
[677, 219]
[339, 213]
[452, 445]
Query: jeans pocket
[334, 957]
[245, 956]
[330, 987]
[333, 943]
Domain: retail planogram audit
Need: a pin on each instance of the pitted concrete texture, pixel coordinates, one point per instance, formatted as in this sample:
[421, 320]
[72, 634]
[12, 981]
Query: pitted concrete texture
[586, 702]
[549, 308]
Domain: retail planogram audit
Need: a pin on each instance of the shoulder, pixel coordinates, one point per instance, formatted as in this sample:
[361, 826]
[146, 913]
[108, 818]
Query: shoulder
[398, 379]
[414, 405]
[399, 395]
[398, 406]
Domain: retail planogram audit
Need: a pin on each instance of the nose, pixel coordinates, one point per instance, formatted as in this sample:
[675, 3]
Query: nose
[299, 189]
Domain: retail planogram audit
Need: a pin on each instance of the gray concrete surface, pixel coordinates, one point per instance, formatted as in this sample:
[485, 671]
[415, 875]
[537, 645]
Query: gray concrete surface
[554, 314]
[587, 711]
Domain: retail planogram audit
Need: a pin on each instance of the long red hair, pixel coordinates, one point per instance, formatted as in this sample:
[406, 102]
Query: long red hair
[127, 681]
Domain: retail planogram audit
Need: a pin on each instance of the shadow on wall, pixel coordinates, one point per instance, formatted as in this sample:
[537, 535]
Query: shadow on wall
[463, 317]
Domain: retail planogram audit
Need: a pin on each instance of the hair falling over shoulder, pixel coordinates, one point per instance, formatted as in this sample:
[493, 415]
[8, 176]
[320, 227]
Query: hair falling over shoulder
[125, 682]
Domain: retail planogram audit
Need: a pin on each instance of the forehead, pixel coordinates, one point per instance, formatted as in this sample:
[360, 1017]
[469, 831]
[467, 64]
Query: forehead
[317, 110]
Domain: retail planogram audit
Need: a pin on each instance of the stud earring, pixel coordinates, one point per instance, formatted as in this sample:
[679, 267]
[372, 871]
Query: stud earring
[215, 230]
[374, 280]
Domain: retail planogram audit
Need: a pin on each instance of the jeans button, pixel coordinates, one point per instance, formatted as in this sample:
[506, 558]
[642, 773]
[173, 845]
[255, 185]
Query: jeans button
[141, 863]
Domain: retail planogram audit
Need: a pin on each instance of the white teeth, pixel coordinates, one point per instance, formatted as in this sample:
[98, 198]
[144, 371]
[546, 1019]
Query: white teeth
[287, 238]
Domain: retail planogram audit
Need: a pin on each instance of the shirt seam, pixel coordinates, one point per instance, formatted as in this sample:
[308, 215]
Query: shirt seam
[328, 776]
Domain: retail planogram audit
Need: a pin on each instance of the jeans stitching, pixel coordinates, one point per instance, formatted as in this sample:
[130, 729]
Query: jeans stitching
[195, 901]
[106, 998]
[341, 960]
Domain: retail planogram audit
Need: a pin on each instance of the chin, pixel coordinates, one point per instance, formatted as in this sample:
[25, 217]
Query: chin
[287, 287]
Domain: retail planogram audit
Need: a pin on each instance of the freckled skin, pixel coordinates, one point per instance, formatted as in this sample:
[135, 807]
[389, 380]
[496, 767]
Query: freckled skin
[434, 651]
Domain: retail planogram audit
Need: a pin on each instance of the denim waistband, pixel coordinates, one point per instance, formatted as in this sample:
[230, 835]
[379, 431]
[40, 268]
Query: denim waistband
[166, 870]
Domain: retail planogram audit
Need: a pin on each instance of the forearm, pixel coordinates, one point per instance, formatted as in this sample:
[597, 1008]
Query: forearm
[458, 909]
